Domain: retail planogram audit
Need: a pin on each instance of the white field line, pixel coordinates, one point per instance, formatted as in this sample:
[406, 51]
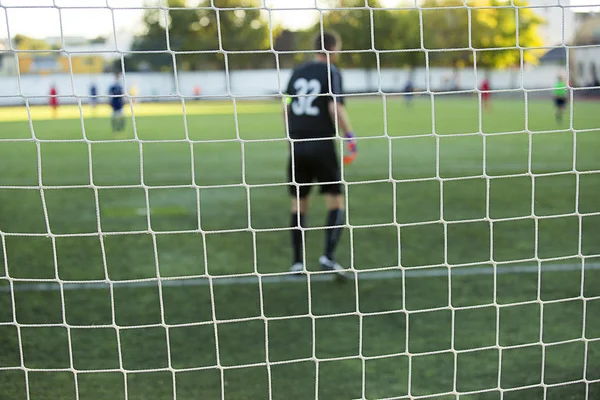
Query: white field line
[314, 277]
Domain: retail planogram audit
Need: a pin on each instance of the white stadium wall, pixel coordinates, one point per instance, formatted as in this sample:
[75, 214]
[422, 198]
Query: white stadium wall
[260, 83]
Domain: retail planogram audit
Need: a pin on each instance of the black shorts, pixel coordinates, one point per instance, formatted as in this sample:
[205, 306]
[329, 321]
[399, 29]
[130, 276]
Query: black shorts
[314, 162]
[560, 101]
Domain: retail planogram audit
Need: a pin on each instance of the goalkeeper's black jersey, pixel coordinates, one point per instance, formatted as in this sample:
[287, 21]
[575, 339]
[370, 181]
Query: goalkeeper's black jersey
[314, 84]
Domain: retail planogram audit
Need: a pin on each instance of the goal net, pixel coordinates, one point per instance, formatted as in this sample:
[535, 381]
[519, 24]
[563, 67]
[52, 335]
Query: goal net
[145, 209]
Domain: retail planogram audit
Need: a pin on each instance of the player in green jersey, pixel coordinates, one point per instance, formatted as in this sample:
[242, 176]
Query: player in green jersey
[560, 97]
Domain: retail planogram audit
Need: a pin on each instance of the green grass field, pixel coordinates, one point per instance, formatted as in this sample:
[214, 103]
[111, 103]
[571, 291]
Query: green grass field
[435, 188]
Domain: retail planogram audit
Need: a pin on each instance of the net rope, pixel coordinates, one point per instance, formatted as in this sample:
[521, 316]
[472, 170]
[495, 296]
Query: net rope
[531, 265]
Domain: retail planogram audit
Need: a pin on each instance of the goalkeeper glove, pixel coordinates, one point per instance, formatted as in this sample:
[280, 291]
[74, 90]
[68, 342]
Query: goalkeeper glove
[352, 150]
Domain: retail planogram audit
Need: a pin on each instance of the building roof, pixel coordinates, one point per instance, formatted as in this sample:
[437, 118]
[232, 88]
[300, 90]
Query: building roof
[555, 54]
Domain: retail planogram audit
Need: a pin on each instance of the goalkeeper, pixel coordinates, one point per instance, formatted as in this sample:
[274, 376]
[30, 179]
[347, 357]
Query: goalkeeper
[313, 106]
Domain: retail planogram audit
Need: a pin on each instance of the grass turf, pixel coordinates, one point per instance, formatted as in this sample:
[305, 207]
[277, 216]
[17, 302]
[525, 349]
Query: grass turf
[414, 198]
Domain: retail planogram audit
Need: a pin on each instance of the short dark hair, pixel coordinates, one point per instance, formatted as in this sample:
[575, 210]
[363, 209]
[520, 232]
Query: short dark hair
[328, 41]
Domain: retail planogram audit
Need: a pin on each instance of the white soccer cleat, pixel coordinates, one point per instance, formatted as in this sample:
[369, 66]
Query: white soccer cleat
[297, 268]
[330, 265]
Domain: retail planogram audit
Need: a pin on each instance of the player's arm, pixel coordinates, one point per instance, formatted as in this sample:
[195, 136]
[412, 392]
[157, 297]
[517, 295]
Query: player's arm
[287, 102]
[338, 110]
[339, 114]
[286, 109]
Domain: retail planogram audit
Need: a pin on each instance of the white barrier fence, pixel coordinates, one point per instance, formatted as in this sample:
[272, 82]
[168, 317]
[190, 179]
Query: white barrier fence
[162, 85]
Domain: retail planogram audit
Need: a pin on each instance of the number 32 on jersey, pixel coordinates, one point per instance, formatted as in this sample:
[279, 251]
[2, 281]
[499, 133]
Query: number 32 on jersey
[307, 92]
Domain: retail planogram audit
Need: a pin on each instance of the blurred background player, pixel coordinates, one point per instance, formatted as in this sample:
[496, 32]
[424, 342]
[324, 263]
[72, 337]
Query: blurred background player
[197, 92]
[486, 95]
[116, 103]
[311, 112]
[560, 97]
[54, 101]
[93, 96]
[408, 92]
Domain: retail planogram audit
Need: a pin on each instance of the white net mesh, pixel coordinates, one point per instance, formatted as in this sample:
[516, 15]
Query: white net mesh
[151, 262]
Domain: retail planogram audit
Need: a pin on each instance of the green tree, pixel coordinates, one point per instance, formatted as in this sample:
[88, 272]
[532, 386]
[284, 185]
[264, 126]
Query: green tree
[194, 35]
[239, 29]
[393, 32]
[98, 40]
[497, 29]
[151, 45]
[447, 30]
[23, 42]
[402, 38]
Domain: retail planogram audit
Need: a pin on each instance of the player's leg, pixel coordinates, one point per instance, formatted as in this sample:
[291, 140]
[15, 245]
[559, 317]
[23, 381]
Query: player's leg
[114, 120]
[299, 193]
[335, 219]
[560, 105]
[121, 120]
[117, 120]
[297, 222]
[330, 174]
[486, 102]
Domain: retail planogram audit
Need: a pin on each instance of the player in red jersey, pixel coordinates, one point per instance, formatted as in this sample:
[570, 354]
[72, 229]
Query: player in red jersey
[486, 95]
[54, 101]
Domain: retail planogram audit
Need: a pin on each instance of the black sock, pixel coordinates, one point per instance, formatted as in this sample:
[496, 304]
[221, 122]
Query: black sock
[335, 219]
[297, 237]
